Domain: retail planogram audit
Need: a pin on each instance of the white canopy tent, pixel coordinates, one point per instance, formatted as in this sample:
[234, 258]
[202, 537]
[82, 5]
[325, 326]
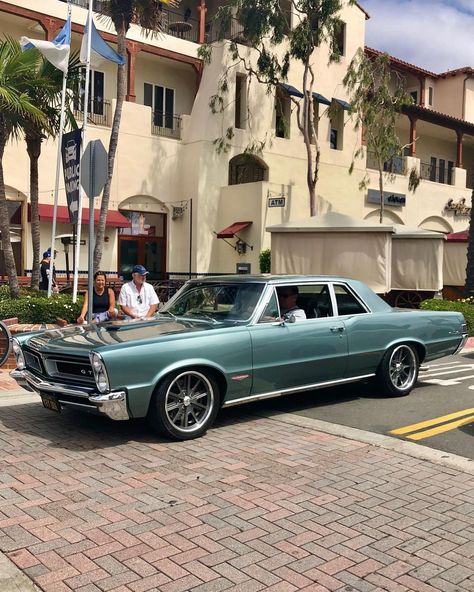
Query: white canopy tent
[386, 257]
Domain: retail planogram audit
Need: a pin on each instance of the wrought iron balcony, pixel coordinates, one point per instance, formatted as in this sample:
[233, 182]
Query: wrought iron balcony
[395, 165]
[98, 112]
[166, 125]
[436, 174]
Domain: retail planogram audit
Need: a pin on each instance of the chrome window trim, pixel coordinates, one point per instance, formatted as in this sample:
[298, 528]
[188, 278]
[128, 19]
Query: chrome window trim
[298, 389]
[350, 291]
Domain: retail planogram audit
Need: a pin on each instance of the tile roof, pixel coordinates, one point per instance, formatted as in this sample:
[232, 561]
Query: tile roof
[406, 65]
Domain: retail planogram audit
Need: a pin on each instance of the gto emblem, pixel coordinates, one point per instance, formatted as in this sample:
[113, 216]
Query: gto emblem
[89, 372]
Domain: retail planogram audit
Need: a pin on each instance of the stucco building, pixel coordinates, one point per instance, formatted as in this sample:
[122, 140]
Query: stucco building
[175, 200]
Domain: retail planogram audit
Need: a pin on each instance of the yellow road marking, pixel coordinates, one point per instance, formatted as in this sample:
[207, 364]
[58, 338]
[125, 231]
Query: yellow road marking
[442, 428]
[430, 422]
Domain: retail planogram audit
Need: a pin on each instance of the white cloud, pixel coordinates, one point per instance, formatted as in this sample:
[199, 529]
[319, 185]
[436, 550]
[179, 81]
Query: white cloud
[433, 34]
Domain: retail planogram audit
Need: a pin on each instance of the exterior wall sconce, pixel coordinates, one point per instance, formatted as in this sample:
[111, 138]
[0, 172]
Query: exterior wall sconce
[241, 246]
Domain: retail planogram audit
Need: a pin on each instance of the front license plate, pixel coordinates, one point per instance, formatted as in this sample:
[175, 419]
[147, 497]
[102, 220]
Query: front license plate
[51, 403]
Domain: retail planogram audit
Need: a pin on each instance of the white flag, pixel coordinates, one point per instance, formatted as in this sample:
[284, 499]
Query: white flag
[55, 51]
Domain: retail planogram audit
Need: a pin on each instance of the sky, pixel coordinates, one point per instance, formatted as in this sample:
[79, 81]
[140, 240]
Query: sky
[437, 35]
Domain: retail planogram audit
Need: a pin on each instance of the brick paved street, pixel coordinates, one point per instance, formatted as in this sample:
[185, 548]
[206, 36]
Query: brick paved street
[259, 503]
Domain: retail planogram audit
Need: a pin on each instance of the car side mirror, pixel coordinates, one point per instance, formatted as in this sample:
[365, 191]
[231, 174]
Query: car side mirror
[288, 318]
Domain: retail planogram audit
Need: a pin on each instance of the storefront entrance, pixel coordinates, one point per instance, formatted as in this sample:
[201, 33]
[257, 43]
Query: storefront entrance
[144, 243]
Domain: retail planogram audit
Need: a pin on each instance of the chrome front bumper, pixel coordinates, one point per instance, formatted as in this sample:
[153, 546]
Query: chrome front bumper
[113, 405]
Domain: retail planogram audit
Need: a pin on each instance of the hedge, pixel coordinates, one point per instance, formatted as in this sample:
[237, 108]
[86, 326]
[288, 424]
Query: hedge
[465, 305]
[33, 306]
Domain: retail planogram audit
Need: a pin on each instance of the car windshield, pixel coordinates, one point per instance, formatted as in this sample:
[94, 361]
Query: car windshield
[216, 302]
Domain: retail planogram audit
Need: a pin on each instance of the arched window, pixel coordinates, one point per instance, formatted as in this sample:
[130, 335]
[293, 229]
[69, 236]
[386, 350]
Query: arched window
[247, 168]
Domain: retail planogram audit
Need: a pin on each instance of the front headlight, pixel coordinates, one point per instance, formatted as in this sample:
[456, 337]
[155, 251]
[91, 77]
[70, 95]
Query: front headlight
[100, 373]
[18, 353]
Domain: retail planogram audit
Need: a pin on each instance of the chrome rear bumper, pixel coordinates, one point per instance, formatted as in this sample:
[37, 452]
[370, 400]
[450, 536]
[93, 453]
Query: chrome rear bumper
[113, 405]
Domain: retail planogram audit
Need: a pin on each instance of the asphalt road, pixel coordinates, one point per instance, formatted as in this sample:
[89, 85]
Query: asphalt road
[438, 413]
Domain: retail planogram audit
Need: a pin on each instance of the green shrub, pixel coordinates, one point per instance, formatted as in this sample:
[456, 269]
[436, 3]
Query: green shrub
[265, 261]
[34, 306]
[465, 305]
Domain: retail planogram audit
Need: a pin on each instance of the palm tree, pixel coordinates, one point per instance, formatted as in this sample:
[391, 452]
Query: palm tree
[46, 97]
[147, 14]
[16, 87]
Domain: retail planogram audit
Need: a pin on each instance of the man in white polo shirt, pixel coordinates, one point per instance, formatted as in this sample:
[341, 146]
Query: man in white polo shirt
[138, 299]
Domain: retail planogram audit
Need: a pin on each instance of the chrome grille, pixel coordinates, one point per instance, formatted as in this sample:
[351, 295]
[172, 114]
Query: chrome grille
[78, 370]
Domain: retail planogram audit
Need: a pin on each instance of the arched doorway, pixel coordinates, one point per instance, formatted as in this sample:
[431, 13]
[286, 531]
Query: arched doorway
[144, 241]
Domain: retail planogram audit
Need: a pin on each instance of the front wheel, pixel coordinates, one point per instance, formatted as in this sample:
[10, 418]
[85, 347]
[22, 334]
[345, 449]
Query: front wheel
[184, 405]
[398, 370]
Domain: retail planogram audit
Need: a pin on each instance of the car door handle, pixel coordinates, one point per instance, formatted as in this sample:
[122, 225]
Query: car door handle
[337, 329]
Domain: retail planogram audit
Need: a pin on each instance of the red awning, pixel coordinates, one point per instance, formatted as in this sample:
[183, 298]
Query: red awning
[233, 229]
[458, 237]
[114, 219]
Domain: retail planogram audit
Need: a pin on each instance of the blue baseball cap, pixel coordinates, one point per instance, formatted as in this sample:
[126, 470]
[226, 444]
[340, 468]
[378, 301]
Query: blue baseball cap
[139, 269]
[47, 254]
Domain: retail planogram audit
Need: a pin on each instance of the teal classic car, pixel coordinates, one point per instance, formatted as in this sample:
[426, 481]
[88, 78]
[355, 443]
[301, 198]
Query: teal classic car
[227, 340]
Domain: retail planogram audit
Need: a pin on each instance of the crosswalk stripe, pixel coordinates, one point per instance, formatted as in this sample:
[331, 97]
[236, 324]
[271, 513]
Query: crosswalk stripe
[442, 428]
[414, 427]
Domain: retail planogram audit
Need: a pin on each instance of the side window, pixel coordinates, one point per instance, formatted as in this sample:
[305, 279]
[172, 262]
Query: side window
[347, 303]
[315, 300]
[272, 310]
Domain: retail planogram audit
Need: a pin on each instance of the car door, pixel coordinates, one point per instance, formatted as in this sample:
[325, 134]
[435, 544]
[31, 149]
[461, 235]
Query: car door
[288, 355]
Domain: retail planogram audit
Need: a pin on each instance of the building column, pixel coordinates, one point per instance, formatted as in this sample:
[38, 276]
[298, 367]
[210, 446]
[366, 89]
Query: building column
[413, 121]
[459, 150]
[422, 101]
[202, 21]
[132, 50]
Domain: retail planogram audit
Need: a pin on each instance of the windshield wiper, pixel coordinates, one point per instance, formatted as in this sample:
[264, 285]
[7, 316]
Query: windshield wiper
[166, 312]
[201, 315]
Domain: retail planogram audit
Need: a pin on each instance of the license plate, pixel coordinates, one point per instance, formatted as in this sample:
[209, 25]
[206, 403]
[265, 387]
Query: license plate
[51, 403]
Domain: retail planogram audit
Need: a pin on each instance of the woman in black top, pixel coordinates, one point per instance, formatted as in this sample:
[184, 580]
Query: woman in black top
[103, 302]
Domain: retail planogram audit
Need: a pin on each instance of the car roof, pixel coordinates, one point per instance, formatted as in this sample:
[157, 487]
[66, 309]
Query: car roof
[270, 278]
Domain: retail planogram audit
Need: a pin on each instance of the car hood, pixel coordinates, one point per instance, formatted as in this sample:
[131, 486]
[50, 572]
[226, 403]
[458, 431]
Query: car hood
[79, 340]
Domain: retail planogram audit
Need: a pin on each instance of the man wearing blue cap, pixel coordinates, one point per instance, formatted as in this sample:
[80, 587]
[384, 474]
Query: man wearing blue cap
[45, 269]
[138, 299]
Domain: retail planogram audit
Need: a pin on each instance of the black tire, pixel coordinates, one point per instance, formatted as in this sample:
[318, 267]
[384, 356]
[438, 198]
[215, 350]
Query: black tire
[398, 370]
[184, 404]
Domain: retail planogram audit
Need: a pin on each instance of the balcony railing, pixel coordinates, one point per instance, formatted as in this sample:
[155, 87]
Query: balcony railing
[97, 6]
[395, 165]
[437, 174]
[166, 125]
[233, 33]
[98, 112]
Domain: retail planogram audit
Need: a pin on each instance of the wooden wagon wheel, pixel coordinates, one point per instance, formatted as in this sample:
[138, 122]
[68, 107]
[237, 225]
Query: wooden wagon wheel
[408, 300]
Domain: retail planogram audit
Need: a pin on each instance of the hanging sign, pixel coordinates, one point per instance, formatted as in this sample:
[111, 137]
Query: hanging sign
[71, 154]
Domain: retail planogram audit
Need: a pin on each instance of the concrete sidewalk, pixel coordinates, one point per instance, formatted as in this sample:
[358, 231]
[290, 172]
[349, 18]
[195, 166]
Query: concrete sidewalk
[277, 503]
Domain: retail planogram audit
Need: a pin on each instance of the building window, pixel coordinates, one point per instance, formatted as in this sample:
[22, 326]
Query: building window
[282, 114]
[340, 37]
[240, 101]
[161, 100]
[96, 92]
[450, 172]
[414, 96]
[442, 167]
[337, 129]
[430, 96]
[433, 163]
[247, 168]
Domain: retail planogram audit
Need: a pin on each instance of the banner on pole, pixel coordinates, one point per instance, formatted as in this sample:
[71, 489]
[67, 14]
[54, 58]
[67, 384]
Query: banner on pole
[71, 155]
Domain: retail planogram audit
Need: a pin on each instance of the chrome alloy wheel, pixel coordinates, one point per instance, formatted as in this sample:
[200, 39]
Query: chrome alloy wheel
[189, 401]
[402, 367]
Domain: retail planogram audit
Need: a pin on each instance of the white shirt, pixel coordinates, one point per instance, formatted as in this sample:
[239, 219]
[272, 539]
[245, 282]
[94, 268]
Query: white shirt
[298, 313]
[130, 296]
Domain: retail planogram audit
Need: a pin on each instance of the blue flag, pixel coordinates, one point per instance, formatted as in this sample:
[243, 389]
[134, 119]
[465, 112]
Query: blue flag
[100, 50]
[55, 51]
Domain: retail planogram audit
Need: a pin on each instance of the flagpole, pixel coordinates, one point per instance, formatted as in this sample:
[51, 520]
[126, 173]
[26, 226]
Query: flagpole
[83, 143]
[58, 168]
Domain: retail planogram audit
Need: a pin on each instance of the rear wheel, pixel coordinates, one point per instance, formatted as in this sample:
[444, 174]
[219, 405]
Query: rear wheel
[184, 404]
[398, 370]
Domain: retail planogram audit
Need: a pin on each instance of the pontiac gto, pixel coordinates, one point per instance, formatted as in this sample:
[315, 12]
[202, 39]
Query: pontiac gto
[222, 341]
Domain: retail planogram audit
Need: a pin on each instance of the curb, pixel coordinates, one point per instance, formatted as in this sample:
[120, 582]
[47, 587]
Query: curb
[12, 579]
